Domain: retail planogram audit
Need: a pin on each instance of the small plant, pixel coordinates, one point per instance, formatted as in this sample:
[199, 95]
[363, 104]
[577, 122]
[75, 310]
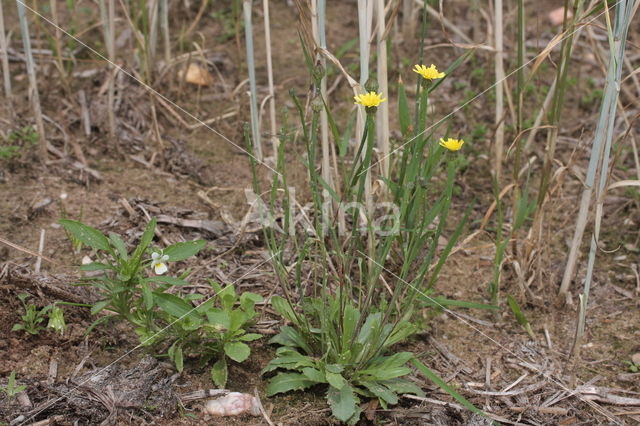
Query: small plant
[17, 141]
[169, 323]
[520, 317]
[344, 320]
[352, 364]
[216, 327]
[124, 288]
[11, 390]
[32, 317]
[632, 366]
[56, 319]
[27, 134]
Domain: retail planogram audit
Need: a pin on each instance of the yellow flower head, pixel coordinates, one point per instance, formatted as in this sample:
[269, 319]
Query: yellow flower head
[452, 144]
[430, 73]
[371, 99]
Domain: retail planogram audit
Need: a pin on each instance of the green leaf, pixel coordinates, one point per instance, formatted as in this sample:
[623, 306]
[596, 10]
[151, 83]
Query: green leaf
[238, 318]
[95, 266]
[288, 358]
[403, 110]
[220, 318]
[250, 337]
[237, 351]
[401, 331]
[334, 379]
[167, 280]
[393, 361]
[283, 307]
[285, 382]
[520, 317]
[289, 336]
[178, 359]
[403, 386]
[88, 235]
[120, 246]
[182, 251]
[334, 368]
[248, 300]
[384, 394]
[17, 327]
[145, 240]
[386, 374]
[147, 235]
[147, 295]
[314, 374]
[175, 306]
[371, 328]
[343, 402]
[349, 323]
[98, 306]
[445, 387]
[219, 373]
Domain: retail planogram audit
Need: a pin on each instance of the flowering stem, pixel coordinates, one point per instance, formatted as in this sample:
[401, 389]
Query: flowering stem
[422, 107]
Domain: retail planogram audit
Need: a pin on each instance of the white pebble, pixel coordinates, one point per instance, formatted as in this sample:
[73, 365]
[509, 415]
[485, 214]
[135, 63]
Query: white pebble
[233, 404]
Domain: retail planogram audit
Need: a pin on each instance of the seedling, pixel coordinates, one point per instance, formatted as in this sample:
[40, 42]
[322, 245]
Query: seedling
[11, 390]
[32, 317]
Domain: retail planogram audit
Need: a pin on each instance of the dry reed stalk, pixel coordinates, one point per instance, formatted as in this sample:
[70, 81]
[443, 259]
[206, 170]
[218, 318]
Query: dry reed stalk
[383, 110]
[365, 20]
[58, 44]
[272, 94]
[6, 75]
[164, 24]
[38, 264]
[408, 21]
[318, 16]
[107, 15]
[153, 31]
[253, 101]
[499, 71]
[599, 161]
[33, 81]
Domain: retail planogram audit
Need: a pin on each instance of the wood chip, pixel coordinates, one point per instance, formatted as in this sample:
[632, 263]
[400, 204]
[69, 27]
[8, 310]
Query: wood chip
[218, 229]
[196, 74]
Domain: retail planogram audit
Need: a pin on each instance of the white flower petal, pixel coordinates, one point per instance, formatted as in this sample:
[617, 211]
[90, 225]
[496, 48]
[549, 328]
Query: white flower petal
[160, 268]
[165, 257]
[155, 255]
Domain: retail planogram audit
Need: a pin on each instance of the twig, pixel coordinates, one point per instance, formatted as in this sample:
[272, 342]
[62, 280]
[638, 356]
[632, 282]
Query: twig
[22, 249]
[40, 250]
[262, 410]
[84, 110]
[201, 394]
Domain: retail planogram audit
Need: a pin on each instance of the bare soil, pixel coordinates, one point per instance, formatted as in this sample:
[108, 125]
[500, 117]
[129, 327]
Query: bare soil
[198, 174]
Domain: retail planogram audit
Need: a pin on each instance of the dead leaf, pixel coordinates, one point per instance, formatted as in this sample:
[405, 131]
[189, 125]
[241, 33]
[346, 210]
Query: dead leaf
[196, 74]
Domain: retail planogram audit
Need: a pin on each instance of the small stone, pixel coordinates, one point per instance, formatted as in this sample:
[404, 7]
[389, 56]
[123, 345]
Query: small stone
[556, 16]
[635, 358]
[233, 404]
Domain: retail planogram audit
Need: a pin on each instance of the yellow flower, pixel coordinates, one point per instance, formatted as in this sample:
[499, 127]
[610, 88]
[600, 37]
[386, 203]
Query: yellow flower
[371, 99]
[430, 73]
[452, 144]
